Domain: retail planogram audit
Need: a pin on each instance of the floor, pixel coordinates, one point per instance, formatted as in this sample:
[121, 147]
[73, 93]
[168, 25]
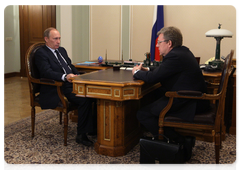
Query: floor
[16, 99]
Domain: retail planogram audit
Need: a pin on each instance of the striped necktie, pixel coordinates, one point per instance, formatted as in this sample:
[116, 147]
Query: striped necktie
[64, 65]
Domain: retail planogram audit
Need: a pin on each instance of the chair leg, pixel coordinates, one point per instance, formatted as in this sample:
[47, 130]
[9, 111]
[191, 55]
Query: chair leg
[60, 115]
[160, 131]
[221, 139]
[217, 147]
[33, 120]
[65, 128]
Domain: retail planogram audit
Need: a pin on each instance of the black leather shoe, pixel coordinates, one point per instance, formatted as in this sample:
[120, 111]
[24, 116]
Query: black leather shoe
[83, 139]
[191, 140]
[188, 145]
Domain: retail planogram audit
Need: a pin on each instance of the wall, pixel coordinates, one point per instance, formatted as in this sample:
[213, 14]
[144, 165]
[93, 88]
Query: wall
[11, 47]
[115, 29]
[66, 28]
[127, 30]
[195, 21]
[80, 33]
[87, 31]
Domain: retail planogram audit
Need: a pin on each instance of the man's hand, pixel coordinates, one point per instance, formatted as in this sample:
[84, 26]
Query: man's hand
[70, 76]
[139, 67]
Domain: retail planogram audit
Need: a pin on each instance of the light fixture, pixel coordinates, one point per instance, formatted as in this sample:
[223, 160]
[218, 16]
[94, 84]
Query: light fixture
[218, 34]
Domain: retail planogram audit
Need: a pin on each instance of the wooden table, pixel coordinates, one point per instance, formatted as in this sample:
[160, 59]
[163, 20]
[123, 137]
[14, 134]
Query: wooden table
[89, 68]
[118, 101]
[213, 78]
[82, 67]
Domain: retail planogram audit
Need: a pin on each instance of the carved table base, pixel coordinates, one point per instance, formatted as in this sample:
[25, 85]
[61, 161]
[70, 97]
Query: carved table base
[118, 128]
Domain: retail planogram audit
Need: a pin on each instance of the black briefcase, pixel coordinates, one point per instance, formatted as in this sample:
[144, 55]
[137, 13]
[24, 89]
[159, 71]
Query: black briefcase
[164, 152]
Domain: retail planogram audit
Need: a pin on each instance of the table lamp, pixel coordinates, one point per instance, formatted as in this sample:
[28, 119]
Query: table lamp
[218, 34]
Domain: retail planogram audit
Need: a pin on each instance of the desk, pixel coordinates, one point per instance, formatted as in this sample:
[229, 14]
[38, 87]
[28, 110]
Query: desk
[88, 69]
[81, 67]
[211, 77]
[214, 79]
[118, 97]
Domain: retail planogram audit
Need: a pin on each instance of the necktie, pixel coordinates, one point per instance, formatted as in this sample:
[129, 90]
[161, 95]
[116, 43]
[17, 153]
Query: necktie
[63, 63]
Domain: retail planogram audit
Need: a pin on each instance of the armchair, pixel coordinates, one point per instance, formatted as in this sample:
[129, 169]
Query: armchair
[212, 120]
[35, 82]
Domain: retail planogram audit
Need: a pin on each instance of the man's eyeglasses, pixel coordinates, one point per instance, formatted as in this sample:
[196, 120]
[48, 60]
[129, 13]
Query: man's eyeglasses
[161, 41]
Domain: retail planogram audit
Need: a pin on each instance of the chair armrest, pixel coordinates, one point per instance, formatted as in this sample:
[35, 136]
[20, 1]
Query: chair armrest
[58, 84]
[192, 95]
[187, 95]
[46, 82]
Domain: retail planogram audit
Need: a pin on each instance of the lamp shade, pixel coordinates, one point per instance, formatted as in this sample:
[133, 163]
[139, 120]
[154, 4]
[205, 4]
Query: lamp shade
[219, 33]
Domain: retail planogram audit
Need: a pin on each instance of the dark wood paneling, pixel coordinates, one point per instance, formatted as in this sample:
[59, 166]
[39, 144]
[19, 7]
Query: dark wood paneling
[34, 19]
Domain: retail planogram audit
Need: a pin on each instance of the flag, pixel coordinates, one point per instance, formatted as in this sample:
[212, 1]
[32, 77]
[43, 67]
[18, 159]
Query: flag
[158, 23]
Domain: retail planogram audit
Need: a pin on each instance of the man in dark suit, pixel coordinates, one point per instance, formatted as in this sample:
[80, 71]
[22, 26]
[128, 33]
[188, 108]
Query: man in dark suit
[53, 62]
[179, 70]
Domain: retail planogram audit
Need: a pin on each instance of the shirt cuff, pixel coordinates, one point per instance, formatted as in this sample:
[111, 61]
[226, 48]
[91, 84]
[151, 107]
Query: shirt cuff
[136, 71]
[63, 77]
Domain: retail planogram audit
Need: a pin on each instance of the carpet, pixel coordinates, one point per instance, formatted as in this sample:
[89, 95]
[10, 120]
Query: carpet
[47, 146]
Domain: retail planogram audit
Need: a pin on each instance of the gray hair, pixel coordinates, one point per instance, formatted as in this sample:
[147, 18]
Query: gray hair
[173, 34]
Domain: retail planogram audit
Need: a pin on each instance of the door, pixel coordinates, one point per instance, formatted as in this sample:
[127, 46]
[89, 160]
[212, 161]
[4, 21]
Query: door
[33, 19]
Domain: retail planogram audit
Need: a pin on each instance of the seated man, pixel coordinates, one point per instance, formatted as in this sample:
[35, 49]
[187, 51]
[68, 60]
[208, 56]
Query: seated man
[53, 62]
[179, 70]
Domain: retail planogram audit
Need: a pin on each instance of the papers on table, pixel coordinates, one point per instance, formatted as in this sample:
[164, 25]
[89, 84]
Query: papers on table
[87, 63]
[126, 68]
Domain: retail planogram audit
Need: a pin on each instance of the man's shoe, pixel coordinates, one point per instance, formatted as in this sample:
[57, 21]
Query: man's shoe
[190, 140]
[188, 145]
[83, 139]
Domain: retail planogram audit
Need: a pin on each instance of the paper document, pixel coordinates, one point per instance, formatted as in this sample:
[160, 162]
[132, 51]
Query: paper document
[126, 68]
[87, 63]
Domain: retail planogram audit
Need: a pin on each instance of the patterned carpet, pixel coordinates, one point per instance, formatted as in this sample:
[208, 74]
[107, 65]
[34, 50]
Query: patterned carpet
[47, 146]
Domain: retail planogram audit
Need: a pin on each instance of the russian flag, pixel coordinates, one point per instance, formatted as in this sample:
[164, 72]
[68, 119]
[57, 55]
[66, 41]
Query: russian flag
[158, 23]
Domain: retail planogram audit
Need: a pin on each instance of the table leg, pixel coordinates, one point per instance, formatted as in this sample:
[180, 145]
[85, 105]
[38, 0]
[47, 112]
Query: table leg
[118, 127]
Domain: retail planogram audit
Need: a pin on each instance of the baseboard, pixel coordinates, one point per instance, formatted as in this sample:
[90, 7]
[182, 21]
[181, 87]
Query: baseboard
[12, 74]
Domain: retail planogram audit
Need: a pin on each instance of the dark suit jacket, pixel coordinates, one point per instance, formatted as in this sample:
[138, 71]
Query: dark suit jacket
[179, 70]
[50, 68]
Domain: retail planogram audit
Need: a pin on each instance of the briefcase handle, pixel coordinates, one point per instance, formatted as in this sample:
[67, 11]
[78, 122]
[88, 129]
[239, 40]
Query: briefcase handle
[153, 138]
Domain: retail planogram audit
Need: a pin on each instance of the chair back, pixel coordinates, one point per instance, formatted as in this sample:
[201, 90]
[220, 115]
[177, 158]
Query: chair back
[222, 89]
[226, 71]
[198, 59]
[31, 69]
